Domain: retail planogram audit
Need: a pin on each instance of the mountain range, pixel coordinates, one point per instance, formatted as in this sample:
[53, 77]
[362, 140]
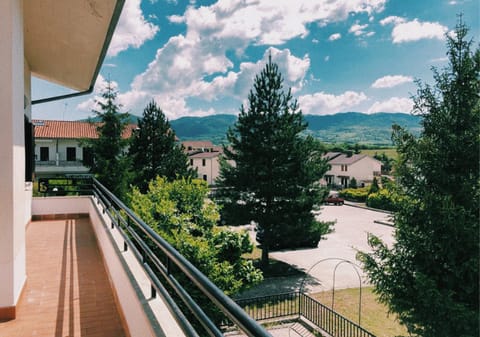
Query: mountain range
[348, 127]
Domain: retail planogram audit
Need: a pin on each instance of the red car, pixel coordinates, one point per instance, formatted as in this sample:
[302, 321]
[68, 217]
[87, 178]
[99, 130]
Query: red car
[334, 199]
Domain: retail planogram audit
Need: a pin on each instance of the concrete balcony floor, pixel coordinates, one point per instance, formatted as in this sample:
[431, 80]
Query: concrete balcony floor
[67, 291]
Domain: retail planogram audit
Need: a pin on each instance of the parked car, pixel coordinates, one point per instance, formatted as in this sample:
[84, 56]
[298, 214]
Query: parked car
[334, 199]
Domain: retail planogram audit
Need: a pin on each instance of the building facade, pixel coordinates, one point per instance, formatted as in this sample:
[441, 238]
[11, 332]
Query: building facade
[344, 167]
[61, 147]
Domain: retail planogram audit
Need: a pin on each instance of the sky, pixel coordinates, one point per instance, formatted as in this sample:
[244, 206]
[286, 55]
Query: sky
[199, 58]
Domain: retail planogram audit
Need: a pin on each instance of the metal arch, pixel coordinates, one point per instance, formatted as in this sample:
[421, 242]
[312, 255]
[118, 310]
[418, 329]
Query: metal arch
[359, 281]
[341, 261]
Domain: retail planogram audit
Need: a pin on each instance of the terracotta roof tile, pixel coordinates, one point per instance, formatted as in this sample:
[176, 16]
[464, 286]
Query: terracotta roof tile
[71, 129]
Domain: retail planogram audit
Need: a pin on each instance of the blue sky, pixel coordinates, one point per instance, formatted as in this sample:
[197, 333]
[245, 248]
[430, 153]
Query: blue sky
[197, 58]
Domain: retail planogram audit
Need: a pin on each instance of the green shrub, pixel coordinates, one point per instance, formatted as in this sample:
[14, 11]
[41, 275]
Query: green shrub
[383, 199]
[355, 194]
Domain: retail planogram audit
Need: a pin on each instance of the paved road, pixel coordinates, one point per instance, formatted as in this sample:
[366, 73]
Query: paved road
[349, 236]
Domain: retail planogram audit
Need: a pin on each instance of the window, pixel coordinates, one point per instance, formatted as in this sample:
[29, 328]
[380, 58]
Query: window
[344, 168]
[87, 155]
[29, 149]
[191, 162]
[203, 162]
[71, 154]
[205, 177]
[44, 155]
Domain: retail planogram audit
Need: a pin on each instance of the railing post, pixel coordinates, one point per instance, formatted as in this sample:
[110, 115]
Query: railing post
[153, 291]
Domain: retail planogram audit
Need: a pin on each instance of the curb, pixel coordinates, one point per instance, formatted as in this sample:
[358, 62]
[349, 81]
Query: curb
[348, 203]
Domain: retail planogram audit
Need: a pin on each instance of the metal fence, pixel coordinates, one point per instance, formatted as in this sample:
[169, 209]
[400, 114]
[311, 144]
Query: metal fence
[296, 304]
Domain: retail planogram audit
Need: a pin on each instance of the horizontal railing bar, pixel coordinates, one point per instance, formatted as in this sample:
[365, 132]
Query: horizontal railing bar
[185, 324]
[199, 313]
[226, 304]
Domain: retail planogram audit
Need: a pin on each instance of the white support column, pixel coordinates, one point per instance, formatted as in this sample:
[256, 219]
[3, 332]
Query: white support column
[12, 157]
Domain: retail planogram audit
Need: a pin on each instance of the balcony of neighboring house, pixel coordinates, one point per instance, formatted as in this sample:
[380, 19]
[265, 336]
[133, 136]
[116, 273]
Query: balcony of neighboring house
[92, 271]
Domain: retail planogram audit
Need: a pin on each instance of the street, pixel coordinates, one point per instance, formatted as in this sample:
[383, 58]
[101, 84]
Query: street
[349, 236]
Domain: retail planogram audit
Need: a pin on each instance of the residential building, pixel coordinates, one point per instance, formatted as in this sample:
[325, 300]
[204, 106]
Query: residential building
[205, 158]
[344, 167]
[59, 146]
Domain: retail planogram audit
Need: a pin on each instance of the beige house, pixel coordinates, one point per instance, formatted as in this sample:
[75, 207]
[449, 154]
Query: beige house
[205, 158]
[344, 167]
[59, 149]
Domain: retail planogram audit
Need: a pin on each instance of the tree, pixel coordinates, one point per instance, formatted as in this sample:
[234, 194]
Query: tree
[387, 162]
[153, 150]
[274, 178]
[374, 188]
[182, 214]
[353, 183]
[430, 277]
[110, 164]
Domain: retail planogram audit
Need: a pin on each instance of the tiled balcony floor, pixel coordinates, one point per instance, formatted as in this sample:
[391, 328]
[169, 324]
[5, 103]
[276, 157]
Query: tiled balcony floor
[67, 291]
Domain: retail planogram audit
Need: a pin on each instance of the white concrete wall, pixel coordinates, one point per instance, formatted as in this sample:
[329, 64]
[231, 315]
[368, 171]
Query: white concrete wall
[211, 168]
[12, 153]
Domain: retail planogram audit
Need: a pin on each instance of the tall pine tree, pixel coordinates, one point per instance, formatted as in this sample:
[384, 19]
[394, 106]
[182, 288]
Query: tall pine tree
[154, 151]
[430, 277]
[273, 180]
[110, 165]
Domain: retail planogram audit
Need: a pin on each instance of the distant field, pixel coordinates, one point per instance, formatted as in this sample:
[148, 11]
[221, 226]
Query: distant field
[389, 152]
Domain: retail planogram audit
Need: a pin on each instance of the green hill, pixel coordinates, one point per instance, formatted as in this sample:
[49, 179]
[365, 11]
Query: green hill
[349, 127]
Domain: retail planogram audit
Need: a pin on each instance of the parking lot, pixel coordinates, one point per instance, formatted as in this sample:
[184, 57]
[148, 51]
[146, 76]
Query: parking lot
[349, 235]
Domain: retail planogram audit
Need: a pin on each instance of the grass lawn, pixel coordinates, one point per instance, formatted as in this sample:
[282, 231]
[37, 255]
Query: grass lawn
[389, 152]
[374, 317]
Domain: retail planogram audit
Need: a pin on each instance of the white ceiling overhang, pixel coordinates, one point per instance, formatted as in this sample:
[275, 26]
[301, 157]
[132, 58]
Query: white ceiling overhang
[67, 40]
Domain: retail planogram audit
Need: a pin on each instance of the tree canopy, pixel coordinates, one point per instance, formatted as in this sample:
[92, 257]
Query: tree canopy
[154, 151]
[430, 277]
[270, 173]
[182, 214]
[110, 165]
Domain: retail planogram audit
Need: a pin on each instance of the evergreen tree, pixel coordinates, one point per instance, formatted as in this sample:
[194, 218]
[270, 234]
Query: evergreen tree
[110, 163]
[430, 277]
[273, 180]
[154, 151]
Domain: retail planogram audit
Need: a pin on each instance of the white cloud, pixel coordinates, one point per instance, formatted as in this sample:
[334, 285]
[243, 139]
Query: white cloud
[176, 18]
[334, 37]
[391, 81]
[357, 29]
[271, 22]
[394, 104]
[439, 59]
[132, 29]
[180, 79]
[321, 103]
[416, 30]
[392, 19]
[196, 66]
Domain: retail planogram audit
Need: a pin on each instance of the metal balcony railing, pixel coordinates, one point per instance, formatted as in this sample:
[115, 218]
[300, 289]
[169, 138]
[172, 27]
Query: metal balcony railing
[298, 304]
[166, 267]
[60, 163]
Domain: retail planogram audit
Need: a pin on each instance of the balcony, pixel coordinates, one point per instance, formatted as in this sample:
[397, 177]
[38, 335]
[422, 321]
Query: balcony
[52, 167]
[90, 273]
